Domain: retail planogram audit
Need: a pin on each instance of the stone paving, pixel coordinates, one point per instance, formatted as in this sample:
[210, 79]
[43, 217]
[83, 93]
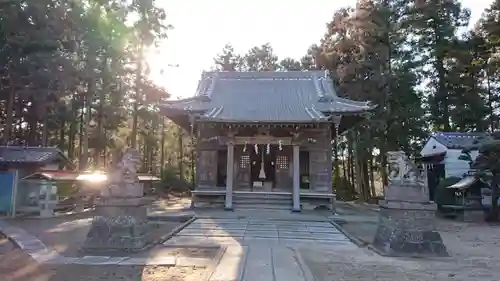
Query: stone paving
[260, 249]
[248, 231]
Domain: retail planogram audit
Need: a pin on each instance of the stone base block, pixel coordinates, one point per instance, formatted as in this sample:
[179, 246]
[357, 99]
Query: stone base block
[120, 224]
[408, 233]
[118, 233]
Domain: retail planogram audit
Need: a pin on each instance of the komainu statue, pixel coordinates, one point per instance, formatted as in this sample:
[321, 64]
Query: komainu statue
[404, 171]
[406, 225]
[123, 181]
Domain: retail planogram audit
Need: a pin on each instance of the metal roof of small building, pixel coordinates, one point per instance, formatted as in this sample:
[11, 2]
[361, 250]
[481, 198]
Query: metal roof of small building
[31, 155]
[54, 175]
[460, 140]
[292, 96]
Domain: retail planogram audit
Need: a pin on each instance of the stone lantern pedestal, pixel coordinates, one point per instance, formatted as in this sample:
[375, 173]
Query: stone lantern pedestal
[406, 225]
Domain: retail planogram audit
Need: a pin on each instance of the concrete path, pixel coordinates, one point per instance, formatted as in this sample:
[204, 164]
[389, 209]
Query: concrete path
[260, 249]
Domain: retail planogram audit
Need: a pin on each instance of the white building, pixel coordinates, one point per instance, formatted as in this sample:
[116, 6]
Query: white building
[441, 155]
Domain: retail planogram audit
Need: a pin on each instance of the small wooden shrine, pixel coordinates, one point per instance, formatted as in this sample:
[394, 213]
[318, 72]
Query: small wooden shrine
[264, 139]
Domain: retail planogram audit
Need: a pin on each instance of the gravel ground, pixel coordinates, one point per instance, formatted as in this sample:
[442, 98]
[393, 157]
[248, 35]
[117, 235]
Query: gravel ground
[474, 250]
[15, 265]
[66, 235]
[126, 273]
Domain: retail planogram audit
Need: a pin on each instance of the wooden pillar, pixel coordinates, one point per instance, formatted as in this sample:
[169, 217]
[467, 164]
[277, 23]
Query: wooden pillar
[230, 177]
[296, 179]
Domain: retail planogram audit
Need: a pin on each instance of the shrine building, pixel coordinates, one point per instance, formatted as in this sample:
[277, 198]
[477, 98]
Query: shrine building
[264, 139]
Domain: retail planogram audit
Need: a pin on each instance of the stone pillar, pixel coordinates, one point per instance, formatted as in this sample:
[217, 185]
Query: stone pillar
[296, 179]
[406, 224]
[230, 177]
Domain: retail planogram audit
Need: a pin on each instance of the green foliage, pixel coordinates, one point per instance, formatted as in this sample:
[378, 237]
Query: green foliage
[487, 167]
[444, 195]
[171, 181]
[65, 189]
[344, 189]
[488, 160]
[67, 76]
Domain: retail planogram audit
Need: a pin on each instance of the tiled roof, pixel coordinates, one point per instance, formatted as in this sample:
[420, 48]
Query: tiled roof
[293, 96]
[460, 140]
[30, 155]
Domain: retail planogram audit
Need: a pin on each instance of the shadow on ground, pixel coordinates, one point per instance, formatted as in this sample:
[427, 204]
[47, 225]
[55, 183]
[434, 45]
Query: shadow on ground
[16, 265]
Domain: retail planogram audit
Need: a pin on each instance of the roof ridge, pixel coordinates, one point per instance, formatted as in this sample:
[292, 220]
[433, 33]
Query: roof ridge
[265, 74]
[460, 133]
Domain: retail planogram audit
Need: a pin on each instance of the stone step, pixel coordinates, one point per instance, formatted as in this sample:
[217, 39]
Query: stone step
[263, 195]
[262, 201]
[244, 206]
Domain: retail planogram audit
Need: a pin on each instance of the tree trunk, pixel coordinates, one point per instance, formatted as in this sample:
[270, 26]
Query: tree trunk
[366, 178]
[372, 174]
[490, 101]
[342, 153]
[101, 143]
[383, 163]
[442, 94]
[9, 119]
[62, 136]
[84, 157]
[358, 170]
[162, 147]
[72, 130]
[81, 129]
[105, 153]
[336, 168]
[493, 216]
[181, 153]
[45, 130]
[135, 116]
[32, 124]
[350, 159]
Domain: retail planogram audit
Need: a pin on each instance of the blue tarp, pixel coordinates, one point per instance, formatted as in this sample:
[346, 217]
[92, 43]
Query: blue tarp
[7, 185]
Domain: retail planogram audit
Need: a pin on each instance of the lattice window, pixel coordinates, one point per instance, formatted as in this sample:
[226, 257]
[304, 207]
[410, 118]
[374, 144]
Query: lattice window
[244, 161]
[282, 162]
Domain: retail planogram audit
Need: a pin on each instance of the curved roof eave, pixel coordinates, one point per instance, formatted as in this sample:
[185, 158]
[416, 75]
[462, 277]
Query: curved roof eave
[336, 108]
[331, 97]
[218, 120]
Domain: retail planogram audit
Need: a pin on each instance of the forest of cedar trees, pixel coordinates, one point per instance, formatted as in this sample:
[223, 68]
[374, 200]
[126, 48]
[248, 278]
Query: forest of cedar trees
[73, 75]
